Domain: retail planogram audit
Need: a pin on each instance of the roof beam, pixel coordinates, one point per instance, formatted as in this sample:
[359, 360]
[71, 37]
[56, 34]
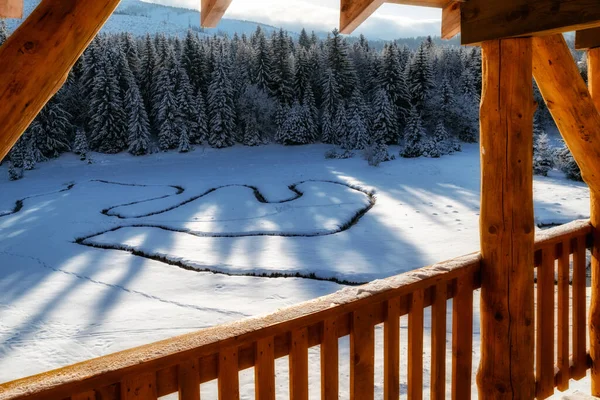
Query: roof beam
[570, 103]
[486, 20]
[37, 57]
[11, 8]
[451, 20]
[355, 12]
[212, 12]
[587, 39]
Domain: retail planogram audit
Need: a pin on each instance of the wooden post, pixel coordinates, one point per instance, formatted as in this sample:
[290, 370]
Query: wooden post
[37, 57]
[507, 225]
[594, 321]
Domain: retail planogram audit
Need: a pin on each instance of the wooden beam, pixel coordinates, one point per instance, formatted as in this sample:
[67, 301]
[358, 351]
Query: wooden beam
[506, 225]
[37, 57]
[212, 11]
[355, 12]
[570, 103]
[451, 20]
[587, 39]
[11, 8]
[487, 20]
[422, 3]
[594, 316]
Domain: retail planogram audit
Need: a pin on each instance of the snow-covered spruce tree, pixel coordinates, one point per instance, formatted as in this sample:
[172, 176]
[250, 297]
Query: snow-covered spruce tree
[392, 79]
[420, 77]
[16, 155]
[567, 164]
[29, 160]
[311, 114]
[147, 72]
[331, 101]
[221, 110]
[190, 58]
[294, 129]
[262, 72]
[202, 122]
[251, 133]
[413, 135]
[138, 127]
[282, 75]
[304, 40]
[14, 173]
[543, 160]
[80, 147]
[340, 126]
[358, 135]
[188, 108]
[108, 124]
[168, 111]
[53, 129]
[339, 62]
[384, 128]
[431, 148]
[184, 139]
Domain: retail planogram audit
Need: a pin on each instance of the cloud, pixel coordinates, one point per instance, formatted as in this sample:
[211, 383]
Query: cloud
[390, 22]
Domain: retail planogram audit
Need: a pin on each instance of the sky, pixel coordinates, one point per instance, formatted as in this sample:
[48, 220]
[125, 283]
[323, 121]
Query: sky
[389, 22]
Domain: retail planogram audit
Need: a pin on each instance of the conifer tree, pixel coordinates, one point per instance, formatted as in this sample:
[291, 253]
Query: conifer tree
[420, 77]
[384, 128]
[80, 147]
[357, 137]
[328, 132]
[282, 76]
[251, 134]
[220, 104]
[108, 123]
[339, 62]
[138, 132]
[542, 155]
[392, 79]
[168, 112]
[567, 164]
[184, 139]
[263, 74]
[53, 129]
[294, 129]
[341, 126]
[14, 173]
[413, 135]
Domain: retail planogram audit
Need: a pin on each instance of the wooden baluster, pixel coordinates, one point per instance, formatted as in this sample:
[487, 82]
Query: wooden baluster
[299, 365]
[110, 392]
[544, 369]
[362, 355]
[579, 308]
[462, 338]
[563, 315]
[264, 369]
[329, 361]
[391, 351]
[91, 395]
[438, 342]
[229, 380]
[415, 346]
[189, 380]
[139, 387]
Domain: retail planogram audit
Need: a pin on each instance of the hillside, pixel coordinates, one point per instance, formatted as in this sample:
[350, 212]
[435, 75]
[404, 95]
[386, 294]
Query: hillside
[139, 18]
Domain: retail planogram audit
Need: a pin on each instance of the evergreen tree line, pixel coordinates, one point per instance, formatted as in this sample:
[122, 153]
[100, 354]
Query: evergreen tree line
[148, 94]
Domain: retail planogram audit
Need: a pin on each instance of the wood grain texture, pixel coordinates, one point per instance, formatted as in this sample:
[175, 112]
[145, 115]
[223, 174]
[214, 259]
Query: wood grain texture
[415, 347]
[362, 355]
[451, 20]
[355, 12]
[422, 3]
[587, 39]
[489, 20]
[139, 387]
[264, 370]
[212, 11]
[506, 370]
[299, 365]
[594, 317]
[11, 8]
[37, 57]
[579, 308]
[438, 342]
[544, 366]
[229, 378]
[570, 103]
[391, 350]
[91, 395]
[564, 287]
[329, 360]
[462, 339]
[188, 378]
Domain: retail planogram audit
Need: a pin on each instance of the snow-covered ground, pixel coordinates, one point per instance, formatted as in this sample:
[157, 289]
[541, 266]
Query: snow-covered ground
[70, 288]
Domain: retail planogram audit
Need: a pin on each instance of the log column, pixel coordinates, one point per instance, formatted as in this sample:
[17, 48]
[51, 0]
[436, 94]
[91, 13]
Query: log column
[594, 321]
[506, 224]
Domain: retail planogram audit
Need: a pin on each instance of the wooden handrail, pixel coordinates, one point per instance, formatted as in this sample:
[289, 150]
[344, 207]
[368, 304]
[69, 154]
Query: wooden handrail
[200, 351]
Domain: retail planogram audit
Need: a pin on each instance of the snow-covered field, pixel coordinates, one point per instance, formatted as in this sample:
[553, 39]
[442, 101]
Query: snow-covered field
[71, 289]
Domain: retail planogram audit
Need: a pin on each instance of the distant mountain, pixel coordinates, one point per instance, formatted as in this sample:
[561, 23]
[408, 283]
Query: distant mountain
[139, 18]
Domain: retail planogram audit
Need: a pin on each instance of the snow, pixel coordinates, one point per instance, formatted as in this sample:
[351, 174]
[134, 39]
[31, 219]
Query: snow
[62, 302]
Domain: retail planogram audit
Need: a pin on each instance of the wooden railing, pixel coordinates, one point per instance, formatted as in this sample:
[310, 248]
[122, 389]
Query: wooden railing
[181, 364]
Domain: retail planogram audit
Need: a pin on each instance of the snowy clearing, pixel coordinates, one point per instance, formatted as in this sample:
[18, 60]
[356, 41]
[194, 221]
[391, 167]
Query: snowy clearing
[63, 301]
